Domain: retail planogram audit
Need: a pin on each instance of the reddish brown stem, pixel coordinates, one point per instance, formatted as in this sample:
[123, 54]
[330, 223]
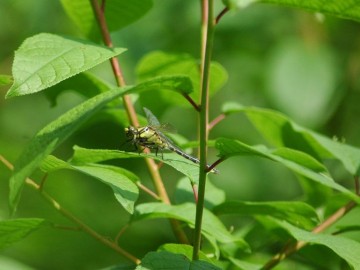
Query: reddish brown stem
[153, 169]
[192, 102]
[221, 14]
[216, 121]
[212, 166]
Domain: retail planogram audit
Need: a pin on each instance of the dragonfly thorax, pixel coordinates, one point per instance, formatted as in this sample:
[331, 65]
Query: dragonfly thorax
[145, 136]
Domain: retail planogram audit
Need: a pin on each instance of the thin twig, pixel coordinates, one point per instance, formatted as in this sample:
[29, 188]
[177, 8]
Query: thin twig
[357, 185]
[216, 121]
[195, 192]
[192, 102]
[212, 166]
[43, 180]
[148, 191]
[120, 233]
[73, 218]
[221, 14]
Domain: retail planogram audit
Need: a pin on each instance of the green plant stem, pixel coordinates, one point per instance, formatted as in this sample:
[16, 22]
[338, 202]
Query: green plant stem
[153, 168]
[208, 34]
[81, 225]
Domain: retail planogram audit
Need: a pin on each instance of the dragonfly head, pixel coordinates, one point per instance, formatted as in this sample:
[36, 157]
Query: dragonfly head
[131, 132]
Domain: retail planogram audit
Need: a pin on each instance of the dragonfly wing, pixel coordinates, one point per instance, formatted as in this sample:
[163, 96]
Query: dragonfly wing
[152, 120]
[155, 124]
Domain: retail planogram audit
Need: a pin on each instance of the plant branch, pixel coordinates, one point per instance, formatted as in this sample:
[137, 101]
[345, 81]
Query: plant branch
[148, 191]
[192, 102]
[153, 169]
[221, 14]
[216, 121]
[213, 166]
[357, 185]
[207, 39]
[73, 218]
[300, 244]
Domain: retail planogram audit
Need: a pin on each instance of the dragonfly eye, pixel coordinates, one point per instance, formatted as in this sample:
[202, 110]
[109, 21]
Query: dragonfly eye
[130, 132]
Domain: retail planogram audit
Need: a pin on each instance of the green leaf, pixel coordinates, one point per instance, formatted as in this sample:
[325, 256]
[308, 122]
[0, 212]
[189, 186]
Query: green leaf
[118, 14]
[213, 195]
[231, 107]
[298, 162]
[5, 79]
[57, 131]
[346, 248]
[186, 250]
[179, 163]
[86, 84]
[160, 63]
[348, 9]
[298, 213]
[15, 230]
[212, 226]
[169, 261]
[281, 131]
[45, 60]
[120, 180]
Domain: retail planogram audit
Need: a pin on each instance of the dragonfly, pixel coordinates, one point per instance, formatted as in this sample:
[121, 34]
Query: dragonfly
[152, 136]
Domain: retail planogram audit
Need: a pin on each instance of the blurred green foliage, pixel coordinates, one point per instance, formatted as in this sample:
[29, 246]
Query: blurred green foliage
[276, 57]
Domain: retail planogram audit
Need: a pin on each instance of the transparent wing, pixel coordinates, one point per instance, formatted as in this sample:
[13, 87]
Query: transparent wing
[154, 123]
[152, 120]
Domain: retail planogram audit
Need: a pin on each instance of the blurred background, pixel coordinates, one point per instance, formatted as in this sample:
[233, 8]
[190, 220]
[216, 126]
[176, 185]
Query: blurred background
[302, 64]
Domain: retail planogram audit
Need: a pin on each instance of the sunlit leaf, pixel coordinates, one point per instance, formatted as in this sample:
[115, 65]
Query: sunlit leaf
[46, 59]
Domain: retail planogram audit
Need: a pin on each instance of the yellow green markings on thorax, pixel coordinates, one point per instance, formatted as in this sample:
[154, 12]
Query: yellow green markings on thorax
[149, 137]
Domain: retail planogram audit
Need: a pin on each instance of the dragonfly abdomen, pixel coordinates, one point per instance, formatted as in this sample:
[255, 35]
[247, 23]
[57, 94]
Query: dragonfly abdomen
[183, 154]
[189, 157]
